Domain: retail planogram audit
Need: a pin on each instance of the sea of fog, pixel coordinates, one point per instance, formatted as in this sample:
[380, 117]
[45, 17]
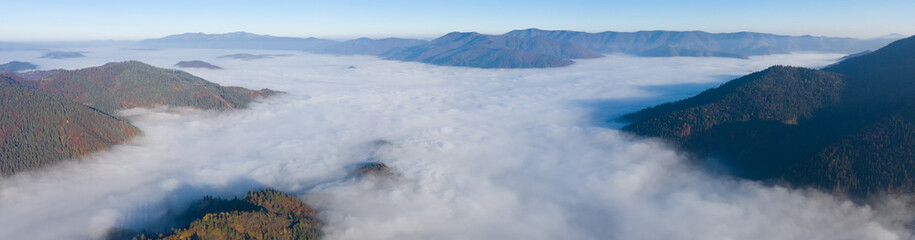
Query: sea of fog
[480, 154]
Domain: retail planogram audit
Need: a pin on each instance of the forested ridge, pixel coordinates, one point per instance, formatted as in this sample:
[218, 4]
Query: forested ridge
[39, 129]
[49, 116]
[848, 128]
[265, 214]
[120, 85]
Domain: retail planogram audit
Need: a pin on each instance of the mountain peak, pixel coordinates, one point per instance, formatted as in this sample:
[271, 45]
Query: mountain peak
[527, 30]
[127, 63]
[461, 34]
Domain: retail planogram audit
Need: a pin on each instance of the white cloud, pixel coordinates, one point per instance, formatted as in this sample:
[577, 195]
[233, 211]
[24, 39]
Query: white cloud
[492, 154]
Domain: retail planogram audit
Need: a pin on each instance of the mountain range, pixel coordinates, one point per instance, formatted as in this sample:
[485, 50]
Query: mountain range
[492, 51]
[49, 116]
[848, 128]
[237, 40]
[700, 44]
[535, 48]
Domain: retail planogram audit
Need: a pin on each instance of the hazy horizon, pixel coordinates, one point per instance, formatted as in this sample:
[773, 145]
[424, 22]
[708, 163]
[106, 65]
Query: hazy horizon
[421, 37]
[111, 20]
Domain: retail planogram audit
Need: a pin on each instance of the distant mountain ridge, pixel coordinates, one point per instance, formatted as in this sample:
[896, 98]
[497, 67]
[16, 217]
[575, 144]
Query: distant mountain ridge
[848, 128]
[249, 57]
[700, 44]
[63, 55]
[368, 46]
[196, 64]
[492, 51]
[535, 48]
[237, 40]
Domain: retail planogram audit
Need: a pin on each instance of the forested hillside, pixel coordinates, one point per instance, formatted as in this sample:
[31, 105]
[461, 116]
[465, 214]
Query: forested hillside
[266, 214]
[848, 128]
[121, 85]
[49, 116]
[38, 129]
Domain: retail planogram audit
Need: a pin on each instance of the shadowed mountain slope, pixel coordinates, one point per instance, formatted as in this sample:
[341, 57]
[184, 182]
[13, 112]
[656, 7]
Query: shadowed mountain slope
[849, 128]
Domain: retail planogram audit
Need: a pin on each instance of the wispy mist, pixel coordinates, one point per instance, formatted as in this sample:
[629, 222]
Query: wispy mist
[491, 154]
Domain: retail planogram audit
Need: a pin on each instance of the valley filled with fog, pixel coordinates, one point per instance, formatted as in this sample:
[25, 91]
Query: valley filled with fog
[479, 153]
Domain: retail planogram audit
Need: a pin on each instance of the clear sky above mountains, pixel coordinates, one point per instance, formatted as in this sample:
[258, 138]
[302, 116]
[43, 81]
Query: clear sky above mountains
[107, 19]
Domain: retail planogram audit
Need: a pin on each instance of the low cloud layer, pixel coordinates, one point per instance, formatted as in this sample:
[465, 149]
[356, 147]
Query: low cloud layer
[490, 154]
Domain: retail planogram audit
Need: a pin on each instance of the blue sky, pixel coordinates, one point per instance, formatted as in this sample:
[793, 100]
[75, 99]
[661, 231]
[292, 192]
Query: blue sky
[37, 20]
